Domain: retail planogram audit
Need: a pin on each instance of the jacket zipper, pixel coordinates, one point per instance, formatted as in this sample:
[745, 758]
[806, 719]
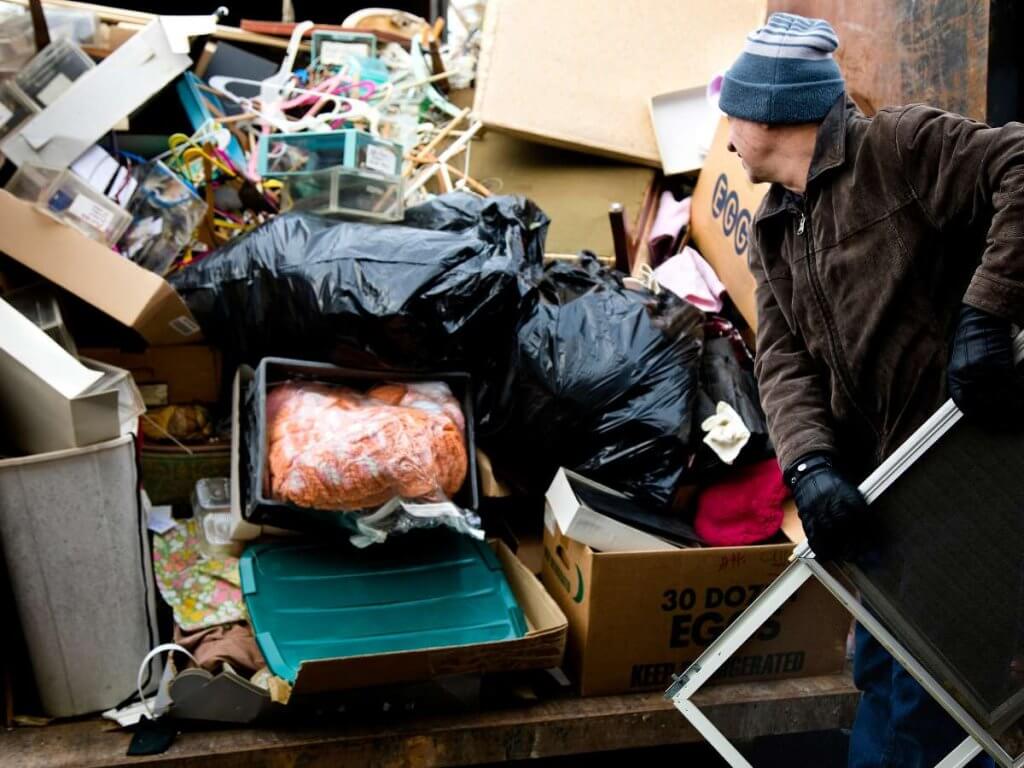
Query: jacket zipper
[833, 338]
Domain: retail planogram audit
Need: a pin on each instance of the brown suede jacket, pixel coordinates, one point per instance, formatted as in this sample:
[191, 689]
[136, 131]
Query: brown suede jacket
[859, 281]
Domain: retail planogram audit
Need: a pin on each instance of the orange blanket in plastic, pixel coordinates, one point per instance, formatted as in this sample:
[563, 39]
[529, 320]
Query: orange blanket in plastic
[333, 448]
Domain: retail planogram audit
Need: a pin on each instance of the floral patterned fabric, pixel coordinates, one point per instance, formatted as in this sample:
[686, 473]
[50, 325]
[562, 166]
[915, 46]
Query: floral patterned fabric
[202, 591]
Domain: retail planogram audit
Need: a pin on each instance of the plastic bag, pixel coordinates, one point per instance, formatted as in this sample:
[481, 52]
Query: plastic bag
[395, 454]
[443, 289]
[727, 376]
[602, 382]
[335, 448]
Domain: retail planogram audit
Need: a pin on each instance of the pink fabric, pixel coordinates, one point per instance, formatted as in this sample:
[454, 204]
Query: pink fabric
[669, 221]
[744, 509]
[691, 278]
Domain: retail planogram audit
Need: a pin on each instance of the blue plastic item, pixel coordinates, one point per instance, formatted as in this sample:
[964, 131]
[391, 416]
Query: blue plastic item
[192, 99]
[293, 154]
[310, 600]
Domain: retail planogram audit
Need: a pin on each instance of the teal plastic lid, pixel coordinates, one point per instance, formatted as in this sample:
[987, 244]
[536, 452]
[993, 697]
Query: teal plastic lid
[310, 600]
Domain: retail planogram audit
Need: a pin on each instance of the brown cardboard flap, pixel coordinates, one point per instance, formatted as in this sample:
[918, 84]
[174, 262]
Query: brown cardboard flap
[581, 73]
[541, 647]
[128, 293]
[791, 525]
[574, 190]
[724, 206]
[192, 372]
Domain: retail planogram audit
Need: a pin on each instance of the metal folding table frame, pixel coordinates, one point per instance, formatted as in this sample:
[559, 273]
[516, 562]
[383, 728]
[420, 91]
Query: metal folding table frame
[804, 567]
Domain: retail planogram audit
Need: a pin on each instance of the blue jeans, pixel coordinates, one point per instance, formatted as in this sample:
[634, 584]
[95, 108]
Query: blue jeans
[898, 724]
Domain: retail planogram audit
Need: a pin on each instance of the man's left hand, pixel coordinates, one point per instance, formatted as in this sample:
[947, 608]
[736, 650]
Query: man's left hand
[981, 376]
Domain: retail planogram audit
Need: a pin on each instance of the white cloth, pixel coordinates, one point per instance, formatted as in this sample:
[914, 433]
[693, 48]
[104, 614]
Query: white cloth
[726, 433]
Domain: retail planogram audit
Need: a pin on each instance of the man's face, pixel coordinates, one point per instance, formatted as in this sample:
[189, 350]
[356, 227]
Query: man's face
[754, 145]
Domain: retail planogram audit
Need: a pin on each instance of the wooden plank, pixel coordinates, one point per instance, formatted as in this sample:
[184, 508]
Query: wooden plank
[896, 52]
[547, 729]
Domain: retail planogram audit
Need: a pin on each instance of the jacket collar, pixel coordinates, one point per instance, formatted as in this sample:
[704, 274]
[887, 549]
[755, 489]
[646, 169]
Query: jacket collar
[829, 153]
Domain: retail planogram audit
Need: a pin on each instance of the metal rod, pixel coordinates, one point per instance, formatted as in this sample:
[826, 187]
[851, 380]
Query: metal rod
[741, 630]
[962, 755]
[712, 735]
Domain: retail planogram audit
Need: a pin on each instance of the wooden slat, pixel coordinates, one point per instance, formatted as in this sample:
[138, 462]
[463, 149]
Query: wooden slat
[548, 729]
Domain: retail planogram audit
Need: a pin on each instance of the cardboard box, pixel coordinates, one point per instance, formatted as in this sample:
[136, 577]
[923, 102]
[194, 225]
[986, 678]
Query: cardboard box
[128, 293]
[581, 73]
[49, 400]
[722, 220]
[637, 618]
[190, 373]
[542, 646]
[584, 524]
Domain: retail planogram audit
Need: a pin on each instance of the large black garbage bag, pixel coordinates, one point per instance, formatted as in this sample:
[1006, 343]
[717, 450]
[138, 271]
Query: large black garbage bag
[727, 375]
[442, 289]
[602, 381]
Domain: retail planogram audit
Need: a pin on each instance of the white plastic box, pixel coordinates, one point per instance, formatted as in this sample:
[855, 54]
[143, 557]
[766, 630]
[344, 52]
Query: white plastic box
[76, 547]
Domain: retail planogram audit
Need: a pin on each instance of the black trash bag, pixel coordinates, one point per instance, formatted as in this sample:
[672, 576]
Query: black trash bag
[602, 382]
[727, 375]
[444, 288]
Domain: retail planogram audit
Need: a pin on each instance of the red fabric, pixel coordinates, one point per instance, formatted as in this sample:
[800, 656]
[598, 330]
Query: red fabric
[333, 448]
[744, 509]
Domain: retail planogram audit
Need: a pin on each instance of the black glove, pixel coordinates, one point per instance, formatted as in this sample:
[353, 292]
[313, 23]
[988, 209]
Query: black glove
[981, 374]
[833, 511]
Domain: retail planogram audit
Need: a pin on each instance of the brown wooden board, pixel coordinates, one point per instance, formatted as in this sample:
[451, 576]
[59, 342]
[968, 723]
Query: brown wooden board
[895, 52]
[548, 729]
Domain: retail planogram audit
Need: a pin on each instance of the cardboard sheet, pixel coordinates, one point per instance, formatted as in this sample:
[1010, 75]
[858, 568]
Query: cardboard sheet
[722, 220]
[573, 189]
[569, 73]
[122, 289]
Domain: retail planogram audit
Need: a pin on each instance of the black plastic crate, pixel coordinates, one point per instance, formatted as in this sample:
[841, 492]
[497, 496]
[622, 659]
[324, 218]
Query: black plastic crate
[257, 507]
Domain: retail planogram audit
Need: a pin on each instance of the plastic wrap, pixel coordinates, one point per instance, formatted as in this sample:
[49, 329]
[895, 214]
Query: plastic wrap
[442, 289]
[337, 449]
[602, 382]
[328, 449]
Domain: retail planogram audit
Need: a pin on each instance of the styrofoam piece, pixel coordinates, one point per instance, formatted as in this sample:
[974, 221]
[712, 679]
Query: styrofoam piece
[73, 537]
[98, 100]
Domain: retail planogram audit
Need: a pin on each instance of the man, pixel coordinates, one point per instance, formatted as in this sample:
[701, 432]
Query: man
[889, 262]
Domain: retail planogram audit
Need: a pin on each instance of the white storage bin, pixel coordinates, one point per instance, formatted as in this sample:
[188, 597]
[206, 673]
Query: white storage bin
[77, 549]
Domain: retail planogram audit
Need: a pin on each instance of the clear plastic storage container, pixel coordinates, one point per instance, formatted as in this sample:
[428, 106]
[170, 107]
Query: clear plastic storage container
[30, 182]
[40, 306]
[165, 212]
[286, 154]
[211, 506]
[52, 71]
[15, 107]
[71, 200]
[346, 193]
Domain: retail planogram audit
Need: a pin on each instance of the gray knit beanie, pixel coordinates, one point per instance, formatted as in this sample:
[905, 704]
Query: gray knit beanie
[786, 73]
